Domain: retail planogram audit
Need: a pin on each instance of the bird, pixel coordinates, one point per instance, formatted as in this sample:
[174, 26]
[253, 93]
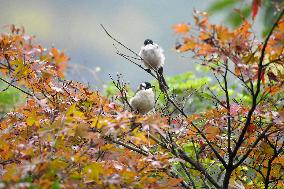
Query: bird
[153, 58]
[144, 99]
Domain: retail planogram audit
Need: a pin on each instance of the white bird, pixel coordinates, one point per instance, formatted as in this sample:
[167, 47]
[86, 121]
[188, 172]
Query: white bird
[154, 59]
[144, 99]
[153, 55]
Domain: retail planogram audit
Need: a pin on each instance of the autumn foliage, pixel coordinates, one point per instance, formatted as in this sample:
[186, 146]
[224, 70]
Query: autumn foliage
[69, 136]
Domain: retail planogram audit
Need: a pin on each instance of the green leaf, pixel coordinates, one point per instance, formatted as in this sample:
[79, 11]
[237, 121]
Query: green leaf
[55, 185]
[235, 19]
[221, 4]
[9, 98]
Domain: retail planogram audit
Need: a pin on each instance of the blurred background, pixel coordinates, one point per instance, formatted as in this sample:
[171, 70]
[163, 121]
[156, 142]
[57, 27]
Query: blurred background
[74, 27]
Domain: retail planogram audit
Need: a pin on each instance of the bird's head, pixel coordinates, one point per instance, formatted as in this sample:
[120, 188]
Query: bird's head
[145, 85]
[148, 41]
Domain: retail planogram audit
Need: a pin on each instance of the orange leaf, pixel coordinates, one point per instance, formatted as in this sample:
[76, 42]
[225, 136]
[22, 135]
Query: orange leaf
[190, 45]
[272, 90]
[211, 132]
[281, 25]
[279, 160]
[204, 35]
[237, 70]
[174, 182]
[223, 33]
[205, 49]
[181, 28]
[243, 29]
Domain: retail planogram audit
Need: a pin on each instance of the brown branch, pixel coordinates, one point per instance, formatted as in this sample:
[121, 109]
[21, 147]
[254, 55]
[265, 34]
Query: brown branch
[252, 109]
[10, 84]
[120, 43]
[121, 87]
[254, 103]
[261, 136]
[142, 152]
[184, 167]
[198, 167]
[214, 97]
[228, 109]
[127, 58]
[181, 154]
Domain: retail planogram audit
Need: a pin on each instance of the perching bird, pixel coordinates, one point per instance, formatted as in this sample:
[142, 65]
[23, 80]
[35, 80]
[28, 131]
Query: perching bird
[144, 99]
[154, 59]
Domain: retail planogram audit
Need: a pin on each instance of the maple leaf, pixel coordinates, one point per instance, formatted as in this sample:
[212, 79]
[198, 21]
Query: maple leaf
[223, 33]
[281, 25]
[211, 131]
[181, 28]
[189, 45]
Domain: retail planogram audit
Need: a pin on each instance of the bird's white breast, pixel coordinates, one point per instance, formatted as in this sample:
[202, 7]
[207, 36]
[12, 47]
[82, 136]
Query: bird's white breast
[153, 56]
[143, 101]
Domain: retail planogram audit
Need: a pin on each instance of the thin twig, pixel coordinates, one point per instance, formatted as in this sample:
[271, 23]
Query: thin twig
[16, 87]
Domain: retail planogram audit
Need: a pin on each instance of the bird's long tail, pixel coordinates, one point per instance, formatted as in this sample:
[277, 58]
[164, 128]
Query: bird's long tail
[162, 82]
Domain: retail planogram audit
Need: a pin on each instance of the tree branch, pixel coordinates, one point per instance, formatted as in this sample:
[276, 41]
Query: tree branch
[10, 84]
[254, 103]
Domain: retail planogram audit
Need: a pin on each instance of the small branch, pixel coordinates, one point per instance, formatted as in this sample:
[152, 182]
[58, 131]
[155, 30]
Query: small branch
[228, 107]
[195, 164]
[275, 61]
[128, 146]
[261, 136]
[121, 87]
[10, 84]
[214, 97]
[182, 164]
[127, 58]
[119, 42]
[198, 167]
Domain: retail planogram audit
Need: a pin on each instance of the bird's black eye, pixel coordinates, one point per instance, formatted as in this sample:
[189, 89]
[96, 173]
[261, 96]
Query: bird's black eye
[148, 41]
[145, 85]
[148, 85]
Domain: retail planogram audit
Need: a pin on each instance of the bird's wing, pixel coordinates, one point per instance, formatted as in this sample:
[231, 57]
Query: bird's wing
[141, 52]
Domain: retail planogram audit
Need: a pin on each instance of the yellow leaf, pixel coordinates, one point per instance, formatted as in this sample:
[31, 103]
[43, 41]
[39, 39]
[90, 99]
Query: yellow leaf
[99, 122]
[58, 164]
[107, 147]
[71, 110]
[75, 175]
[267, 149]
[30, 121]
[11, 173]
[93, 171]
